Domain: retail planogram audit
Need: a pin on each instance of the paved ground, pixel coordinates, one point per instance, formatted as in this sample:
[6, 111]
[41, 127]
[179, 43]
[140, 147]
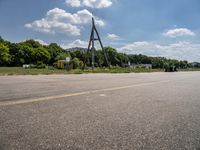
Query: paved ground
[102, 111]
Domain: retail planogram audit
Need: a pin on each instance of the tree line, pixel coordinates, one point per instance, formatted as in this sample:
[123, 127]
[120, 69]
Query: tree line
[32, 52]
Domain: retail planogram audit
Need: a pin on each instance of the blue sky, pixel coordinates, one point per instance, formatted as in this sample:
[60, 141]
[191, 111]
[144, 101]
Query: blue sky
[169, 28]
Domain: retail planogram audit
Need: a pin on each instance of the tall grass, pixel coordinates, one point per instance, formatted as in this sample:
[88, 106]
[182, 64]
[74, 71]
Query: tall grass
[33, 71]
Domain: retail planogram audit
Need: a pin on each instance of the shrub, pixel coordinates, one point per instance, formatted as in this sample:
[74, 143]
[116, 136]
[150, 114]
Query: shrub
[76, 63]
[40, 65]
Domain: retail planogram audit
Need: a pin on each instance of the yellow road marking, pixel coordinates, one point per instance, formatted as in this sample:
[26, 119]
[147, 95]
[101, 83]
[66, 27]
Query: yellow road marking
[56, 97]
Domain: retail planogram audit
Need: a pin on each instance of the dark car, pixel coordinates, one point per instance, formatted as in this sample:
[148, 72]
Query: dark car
[171, 69]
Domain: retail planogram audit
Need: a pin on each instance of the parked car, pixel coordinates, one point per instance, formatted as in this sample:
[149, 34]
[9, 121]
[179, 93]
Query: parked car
[171, 69]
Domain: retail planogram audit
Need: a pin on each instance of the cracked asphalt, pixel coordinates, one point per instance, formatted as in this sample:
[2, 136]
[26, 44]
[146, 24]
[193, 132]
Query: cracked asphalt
[147, 111]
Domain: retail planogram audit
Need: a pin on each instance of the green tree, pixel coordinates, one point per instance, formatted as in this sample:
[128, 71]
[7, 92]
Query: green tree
[5, 57]
[41, 54]
[32, 43]
[26, 53]
[183, 64]
[99, 58]
[123, 59]
[54, 51]
[62, 56]
[1, 40]
[112, 56]
[158, 62]
[76, 63]
[78, 54]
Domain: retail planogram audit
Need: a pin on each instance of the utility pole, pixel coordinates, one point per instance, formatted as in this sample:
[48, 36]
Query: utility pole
[91, 48]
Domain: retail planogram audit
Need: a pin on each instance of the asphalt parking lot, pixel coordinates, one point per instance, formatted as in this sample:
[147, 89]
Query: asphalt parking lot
[100, 111]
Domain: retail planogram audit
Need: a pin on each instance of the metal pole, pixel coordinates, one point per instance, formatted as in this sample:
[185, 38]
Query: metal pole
[88, 49]
[92, 50]
[104, 51]
[93, 62]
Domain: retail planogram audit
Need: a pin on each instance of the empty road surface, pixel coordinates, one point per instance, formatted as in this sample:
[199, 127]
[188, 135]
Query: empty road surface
[147, 111]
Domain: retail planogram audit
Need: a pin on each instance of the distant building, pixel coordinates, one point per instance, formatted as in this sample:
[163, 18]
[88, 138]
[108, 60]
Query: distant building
[146, 66]
[26, 66]
[61, 64]
[195, 64]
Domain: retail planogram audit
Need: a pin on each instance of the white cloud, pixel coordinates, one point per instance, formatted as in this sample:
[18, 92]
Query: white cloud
[41, 42]
[76, 43]
[97, 3]
[90, 3]
[73, 3]
[178, 32]
[113, 37]
[181, 50]
[59, 21]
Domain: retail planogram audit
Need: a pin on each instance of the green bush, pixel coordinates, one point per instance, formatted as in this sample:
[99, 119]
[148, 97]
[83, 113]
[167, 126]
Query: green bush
[76, 63]
[40, 65]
